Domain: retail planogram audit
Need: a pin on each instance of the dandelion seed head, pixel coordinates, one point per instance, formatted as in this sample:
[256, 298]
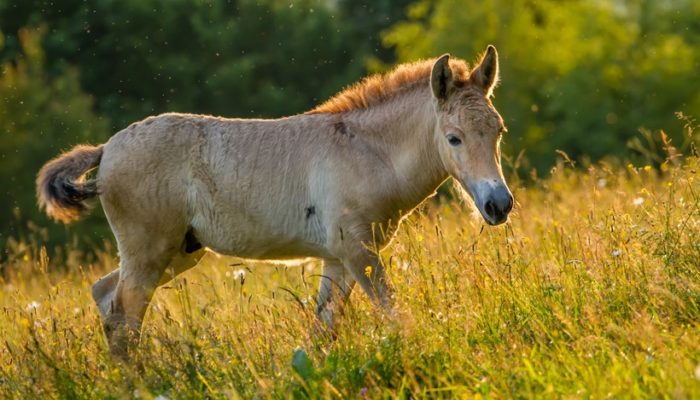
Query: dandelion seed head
[33, 306]
[239, 274]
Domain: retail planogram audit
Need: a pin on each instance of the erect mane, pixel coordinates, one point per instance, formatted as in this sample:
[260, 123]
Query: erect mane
[377, 88]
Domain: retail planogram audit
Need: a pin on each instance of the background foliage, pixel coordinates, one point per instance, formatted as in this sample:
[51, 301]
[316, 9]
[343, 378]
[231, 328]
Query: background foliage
[579, 76]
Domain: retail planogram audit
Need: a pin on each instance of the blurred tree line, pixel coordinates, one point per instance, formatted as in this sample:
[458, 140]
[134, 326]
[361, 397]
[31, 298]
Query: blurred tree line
[581, 76]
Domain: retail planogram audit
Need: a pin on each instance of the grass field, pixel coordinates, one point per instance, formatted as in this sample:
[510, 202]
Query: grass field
[592, 290]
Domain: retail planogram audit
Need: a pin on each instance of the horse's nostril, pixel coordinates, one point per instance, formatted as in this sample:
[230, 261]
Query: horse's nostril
[490, 208]
[509, 205]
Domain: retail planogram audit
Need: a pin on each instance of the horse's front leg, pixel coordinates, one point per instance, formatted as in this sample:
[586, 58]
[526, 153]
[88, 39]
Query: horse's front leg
[333, 292]
[367, 269]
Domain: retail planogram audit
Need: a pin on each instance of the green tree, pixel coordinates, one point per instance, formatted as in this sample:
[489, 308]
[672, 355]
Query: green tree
[234, 58]
[581, 76]
[39, 117]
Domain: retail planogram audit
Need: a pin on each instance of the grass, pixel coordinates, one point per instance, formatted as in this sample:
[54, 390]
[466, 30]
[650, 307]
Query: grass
[592, 290]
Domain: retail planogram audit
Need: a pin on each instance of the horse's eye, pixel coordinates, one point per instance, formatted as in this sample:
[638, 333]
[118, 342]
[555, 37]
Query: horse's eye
[454, 140]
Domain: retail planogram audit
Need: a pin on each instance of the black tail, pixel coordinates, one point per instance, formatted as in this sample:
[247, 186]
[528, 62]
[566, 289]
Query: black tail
[61, 186]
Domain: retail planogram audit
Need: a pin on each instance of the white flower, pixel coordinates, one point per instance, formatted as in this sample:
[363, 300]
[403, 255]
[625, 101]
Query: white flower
[602, 182]
[616, 253]
[638, 201]
[32, 306]
[160, 397]
[239, 274]
[76, 310]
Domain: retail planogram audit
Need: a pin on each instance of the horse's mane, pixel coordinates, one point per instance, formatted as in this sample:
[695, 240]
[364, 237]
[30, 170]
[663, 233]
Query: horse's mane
[377, 88]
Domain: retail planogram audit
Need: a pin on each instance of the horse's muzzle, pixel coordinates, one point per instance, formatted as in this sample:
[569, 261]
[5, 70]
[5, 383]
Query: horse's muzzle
[493, 199]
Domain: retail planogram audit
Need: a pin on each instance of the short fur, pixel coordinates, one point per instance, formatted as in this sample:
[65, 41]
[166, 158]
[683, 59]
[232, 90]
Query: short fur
[333, 184]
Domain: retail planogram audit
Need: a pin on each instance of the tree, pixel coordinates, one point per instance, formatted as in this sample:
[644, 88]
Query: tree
[39, 117]
[581, 76]
[240, 58]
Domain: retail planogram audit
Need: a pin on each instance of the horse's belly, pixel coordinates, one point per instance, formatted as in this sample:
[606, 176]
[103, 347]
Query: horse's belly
[248, 239]
[279, 249]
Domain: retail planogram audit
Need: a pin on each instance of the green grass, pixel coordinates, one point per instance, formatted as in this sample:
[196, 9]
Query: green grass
[592, 290]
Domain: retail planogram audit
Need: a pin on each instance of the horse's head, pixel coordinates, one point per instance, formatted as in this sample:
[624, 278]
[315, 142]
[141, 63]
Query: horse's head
[469, 131]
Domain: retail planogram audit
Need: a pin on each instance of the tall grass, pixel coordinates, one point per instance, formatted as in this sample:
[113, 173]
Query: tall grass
[591, 290]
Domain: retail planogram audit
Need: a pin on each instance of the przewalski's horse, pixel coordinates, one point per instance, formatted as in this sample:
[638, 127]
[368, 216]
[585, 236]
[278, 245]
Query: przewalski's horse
[310, 185]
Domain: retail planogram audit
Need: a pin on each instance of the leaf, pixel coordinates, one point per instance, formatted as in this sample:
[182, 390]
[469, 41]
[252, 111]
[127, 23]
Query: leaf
[301, 363]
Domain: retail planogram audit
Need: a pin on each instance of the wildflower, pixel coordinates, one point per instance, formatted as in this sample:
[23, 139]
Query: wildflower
[25, 257]
[32, 306]
[419, 238]
[638, 201]
[602, 182]
[76, 310]
[239, 275]
[160, 397]
[368, 270]
[647, 168]
[616, 253]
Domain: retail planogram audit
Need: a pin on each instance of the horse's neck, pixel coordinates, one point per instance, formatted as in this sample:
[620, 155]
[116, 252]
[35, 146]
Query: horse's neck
[404, 127]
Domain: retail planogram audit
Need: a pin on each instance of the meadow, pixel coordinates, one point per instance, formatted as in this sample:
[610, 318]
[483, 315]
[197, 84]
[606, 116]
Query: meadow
[591, 290]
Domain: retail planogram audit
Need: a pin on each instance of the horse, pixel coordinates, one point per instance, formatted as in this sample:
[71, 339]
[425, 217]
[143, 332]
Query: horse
[312, 185]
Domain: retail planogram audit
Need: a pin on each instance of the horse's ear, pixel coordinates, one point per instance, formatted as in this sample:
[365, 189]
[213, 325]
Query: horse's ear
[441, 80]
[486, 74]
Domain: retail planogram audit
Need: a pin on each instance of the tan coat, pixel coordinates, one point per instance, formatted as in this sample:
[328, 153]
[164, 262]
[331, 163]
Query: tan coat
[310, 185]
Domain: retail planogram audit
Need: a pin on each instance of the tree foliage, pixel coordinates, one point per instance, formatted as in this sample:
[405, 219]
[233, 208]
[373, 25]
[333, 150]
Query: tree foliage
[39, 117]
[580, 76]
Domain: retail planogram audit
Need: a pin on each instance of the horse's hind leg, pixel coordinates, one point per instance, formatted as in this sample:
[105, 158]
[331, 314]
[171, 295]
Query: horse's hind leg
[139, 275]
[123, 295]
[104, 289]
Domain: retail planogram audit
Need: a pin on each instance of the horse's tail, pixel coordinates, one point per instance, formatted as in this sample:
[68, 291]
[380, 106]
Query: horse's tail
[61, 186]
